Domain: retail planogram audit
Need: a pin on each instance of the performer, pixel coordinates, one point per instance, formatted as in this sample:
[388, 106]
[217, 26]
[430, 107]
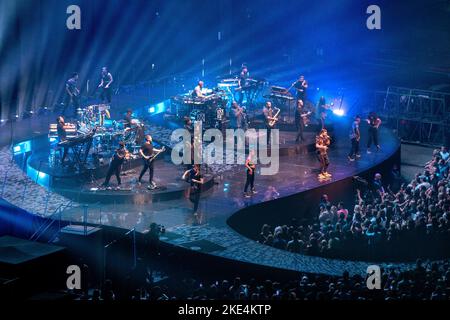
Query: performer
[72, 94]
[251, 172]
[115, 166]
[355, 137]
[146, 152]
[242, 83]
[197, 93]
[300, 120]
[270, 118]
[374, 124]
[322, 110]
[322, 144]
[128, 119]
[62, 136]
[105, 84]
[195, 178]
[300, 86]
[238, 113]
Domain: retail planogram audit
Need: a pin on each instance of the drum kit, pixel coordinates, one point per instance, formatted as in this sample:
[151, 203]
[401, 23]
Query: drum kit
[109, 133]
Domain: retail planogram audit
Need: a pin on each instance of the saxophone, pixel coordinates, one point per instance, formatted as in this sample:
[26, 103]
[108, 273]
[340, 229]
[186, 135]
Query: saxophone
[275, 120]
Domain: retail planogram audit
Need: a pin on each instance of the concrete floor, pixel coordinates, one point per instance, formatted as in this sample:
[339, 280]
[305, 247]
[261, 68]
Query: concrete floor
[414, 158]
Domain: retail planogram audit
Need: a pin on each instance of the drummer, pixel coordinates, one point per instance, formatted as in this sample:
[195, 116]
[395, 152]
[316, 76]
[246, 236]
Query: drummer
[128, 119]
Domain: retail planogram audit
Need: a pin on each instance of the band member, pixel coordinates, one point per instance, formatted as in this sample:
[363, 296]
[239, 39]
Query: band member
[300, 86]
[72, 94]
[128, 119]
[355, 137]
[195, 178]
[115, 166]
[242, 83]
[62, 136]
[299, 121]
[105, 84]
[189, 126]
[146, 152]
[322, 110]
[197, 93]
[250, 164]
[238, 113]
[270, 120]
[374, 124]
[322, 144]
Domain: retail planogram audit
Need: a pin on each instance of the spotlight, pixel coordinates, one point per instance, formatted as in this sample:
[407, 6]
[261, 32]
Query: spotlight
[27, 114]
[339, 112]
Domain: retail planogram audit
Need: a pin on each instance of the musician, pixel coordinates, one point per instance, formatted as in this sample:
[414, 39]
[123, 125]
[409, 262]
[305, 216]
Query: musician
[197, 93]
[250, 165]
[195, 178]
[269, 116]
[238, 113]
[188, 125]
[374, 124]
[62, 135]
[300, 86]
[105, 84]
[300, 115]
[72, 94]
[146, 151]
[355, 137]
[322, 144]
[322, 110]
[115, 166]
[242, 83]
[128, 119]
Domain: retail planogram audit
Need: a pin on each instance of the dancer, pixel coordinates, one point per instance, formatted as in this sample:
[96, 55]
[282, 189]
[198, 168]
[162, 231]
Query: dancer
[105, 84]
[355, 137]
[374, 124]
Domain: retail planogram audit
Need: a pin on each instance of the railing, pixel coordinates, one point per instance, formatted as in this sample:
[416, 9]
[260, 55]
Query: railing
[56, 216]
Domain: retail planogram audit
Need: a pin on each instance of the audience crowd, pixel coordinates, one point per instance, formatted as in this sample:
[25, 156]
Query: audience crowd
[412, 222]
[425, 281]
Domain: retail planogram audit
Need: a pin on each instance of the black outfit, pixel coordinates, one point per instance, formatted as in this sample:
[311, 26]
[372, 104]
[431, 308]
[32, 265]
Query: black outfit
[354, 136]
[115, 167]
[106, 92]
[250, 182]
[147, 150]
[268, 113]
[322, 110]
[72, 98]
[301, 90]
[300, 125]
[373, 132]
[243, 83]
[62, 135]
[194, 194]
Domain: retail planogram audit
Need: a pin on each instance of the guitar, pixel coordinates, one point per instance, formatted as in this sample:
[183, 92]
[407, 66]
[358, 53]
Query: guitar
[155, 155]
[273, 122]
[305, 117]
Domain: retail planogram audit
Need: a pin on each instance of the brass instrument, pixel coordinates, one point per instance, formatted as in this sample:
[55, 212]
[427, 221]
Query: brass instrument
[275, 118]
